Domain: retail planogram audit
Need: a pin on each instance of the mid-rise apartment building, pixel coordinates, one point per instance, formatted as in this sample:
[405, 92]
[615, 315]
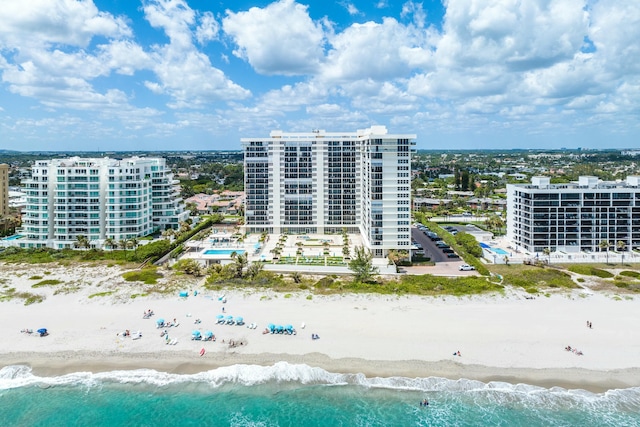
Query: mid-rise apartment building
[4, 189]
[99, 199]
[327, 182]
[574, 217]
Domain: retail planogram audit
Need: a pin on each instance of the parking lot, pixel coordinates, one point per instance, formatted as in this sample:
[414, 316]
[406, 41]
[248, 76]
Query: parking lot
[432, 245]
[447, 261]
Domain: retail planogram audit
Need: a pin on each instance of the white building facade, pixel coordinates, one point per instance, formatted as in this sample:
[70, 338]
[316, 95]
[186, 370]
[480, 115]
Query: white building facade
[322, 182]
[99, 199]
[574, 217]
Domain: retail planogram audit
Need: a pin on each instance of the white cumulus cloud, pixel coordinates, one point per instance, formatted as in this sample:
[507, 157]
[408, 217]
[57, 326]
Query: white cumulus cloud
[278, 39]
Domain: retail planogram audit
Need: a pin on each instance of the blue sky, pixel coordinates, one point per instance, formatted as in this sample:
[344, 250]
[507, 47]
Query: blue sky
[201, 74]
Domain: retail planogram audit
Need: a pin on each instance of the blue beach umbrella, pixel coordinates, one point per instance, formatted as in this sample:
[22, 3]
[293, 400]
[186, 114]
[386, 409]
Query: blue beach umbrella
[239, 320]
[208, 334]
[42, 331]
[219, 317]
[195, 333]
[271, 327]
[160, 321]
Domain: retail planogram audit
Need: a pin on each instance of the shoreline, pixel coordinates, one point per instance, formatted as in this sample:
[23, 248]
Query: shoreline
[506, 337]
[62, 363]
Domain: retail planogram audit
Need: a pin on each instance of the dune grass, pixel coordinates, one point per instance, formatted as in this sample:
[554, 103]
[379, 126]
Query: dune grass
[148, 276]
[588, 270]
[48, 282]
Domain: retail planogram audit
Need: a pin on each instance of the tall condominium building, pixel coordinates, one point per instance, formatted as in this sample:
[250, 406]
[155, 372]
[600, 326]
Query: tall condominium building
[322, 182]
[98, 199]
[574, 217]
[4, 189]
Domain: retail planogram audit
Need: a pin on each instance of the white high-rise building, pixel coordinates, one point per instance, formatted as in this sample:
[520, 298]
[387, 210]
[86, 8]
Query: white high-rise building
[574, 217]
[98, 198]
[327, 182]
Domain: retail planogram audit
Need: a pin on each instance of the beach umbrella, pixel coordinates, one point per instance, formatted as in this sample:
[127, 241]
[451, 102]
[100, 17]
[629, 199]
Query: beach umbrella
[239, 320]
[279, 328]
[229, 317]
[42, 331]
[160, 321]
[184, 294]
[219, 317]
[271, 327]
[208, 334]
[195, 333]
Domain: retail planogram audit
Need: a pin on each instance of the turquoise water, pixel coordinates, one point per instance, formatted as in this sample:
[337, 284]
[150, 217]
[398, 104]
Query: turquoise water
[296, 395]
[223, 251]
[14, 237]
[500, 251]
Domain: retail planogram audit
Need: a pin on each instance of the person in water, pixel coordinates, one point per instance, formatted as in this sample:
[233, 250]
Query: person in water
[425, 402]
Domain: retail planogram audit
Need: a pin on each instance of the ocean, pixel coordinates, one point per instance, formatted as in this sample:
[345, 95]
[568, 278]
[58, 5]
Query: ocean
[296, 395]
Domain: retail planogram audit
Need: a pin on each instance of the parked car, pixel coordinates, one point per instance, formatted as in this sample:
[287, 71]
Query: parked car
[447, 250]
[466, 267]
[454, 255]
[441, 244]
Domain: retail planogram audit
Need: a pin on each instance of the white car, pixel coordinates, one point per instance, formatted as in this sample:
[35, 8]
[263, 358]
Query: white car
[466, 267]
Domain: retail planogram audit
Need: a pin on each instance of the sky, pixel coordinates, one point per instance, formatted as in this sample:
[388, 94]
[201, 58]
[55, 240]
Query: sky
[102, 75]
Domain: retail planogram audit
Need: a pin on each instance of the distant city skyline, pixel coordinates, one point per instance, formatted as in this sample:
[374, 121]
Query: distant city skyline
[160, 75]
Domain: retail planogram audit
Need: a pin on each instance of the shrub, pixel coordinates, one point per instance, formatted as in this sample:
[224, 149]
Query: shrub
[48, 282]
[148, 276]
[540, 277]
[628, 273]
[588, 270]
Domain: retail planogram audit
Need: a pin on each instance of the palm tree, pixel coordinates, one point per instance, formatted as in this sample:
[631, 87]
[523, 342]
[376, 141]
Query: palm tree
[296, 276]
[506, 260]
[604, 244]
[547, 253]
[254, 269]
[621, 246]
[239, 264]
[81, 242]
[110, 242]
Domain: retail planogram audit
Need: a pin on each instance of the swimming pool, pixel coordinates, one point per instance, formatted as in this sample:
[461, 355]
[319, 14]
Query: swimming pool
[494, 250]
[14, 237]
[223, 251]
[500, 251]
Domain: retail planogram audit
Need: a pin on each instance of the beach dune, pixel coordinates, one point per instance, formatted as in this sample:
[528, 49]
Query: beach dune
[500, 337]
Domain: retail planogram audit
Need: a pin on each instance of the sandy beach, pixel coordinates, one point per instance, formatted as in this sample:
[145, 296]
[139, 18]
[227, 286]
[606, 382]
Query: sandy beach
[500, 337]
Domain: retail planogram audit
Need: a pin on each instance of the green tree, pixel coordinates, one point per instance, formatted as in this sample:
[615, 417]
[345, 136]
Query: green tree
[547, 253]
[239, 264]
[362, 265]
[621, 246]
[254, 269]
[110, 243]
[604, 245]
[82, 242]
